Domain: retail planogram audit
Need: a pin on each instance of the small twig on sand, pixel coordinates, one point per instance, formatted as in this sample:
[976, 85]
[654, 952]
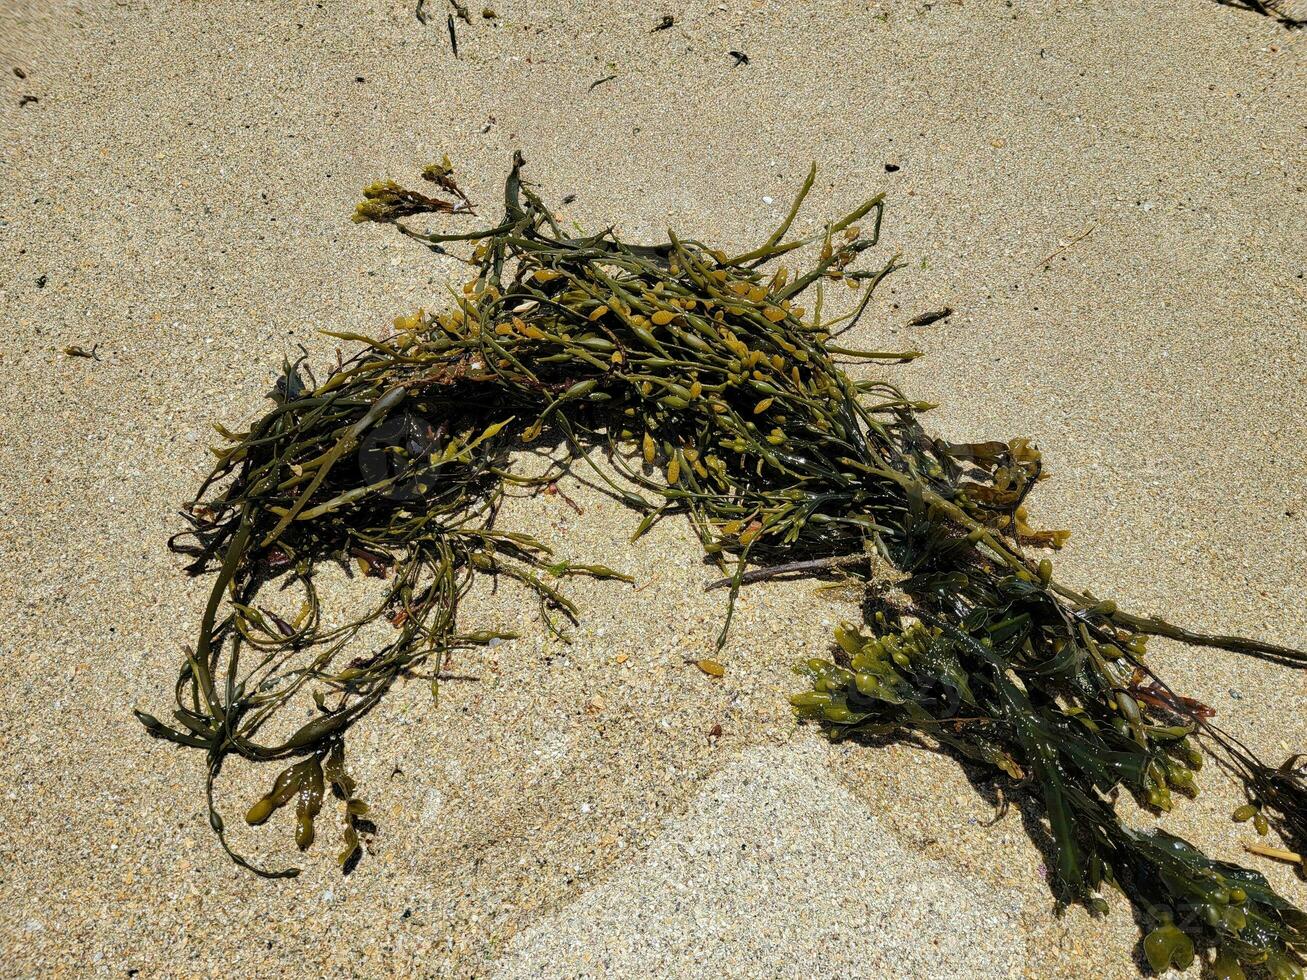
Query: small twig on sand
[1062, 248]
[554, 490]
[762, 574]
[1277, 853]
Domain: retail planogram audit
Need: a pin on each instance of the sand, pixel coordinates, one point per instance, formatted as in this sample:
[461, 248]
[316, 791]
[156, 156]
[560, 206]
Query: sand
[179, 196]
[777, 841]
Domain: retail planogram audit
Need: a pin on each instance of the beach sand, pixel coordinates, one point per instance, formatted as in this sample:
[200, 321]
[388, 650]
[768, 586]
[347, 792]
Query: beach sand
[179, 196]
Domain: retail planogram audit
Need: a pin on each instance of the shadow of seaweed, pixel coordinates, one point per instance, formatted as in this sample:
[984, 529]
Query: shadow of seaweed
[1277, 10]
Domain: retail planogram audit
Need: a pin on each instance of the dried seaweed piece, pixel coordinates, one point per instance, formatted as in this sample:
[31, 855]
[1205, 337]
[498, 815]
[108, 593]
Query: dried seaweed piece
[714, 395]
[385, 202]
[442, 175]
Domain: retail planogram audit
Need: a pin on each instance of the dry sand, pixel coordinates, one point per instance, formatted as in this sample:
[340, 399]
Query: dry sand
[179, 196]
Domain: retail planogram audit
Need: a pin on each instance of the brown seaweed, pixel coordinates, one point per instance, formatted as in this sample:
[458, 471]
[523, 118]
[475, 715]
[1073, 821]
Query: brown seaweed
[716, 395]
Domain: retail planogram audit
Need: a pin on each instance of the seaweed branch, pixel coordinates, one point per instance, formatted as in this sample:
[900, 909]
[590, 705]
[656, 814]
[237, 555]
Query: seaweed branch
[714, 395]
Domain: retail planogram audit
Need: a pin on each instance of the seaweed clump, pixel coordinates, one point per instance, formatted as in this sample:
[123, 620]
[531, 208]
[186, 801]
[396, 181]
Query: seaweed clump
[713, 393]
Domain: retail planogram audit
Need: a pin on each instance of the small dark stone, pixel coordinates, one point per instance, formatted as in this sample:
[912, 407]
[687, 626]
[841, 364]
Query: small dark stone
[891, 168]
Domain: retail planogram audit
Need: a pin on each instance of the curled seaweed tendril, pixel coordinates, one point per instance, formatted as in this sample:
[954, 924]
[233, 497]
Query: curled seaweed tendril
[715, 395]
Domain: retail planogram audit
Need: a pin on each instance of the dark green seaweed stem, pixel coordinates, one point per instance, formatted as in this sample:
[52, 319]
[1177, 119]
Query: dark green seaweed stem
[713, 394]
